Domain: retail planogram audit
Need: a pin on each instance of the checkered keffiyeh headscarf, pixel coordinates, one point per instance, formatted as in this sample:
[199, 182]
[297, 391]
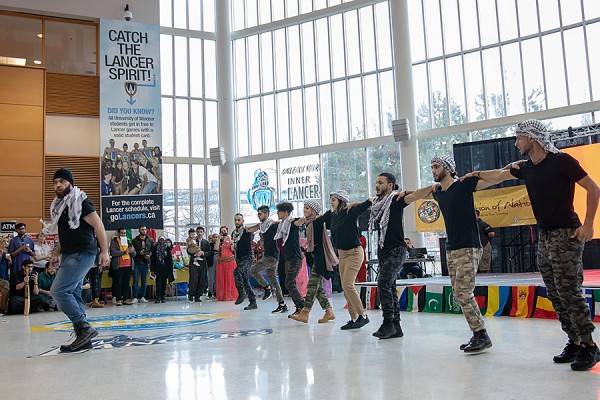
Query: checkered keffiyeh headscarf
[340, 195]
[538, 131]
[447, 161]
[314, 205]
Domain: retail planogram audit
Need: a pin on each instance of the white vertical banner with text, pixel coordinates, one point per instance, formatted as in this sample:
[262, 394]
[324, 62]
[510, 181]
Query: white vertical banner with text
[130, 125]
[300, 179]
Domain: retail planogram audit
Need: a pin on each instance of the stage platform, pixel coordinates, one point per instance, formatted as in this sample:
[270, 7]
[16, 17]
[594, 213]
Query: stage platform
[515, 295]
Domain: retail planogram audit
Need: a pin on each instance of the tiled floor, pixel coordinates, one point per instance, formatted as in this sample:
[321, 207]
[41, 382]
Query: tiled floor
[258, 355]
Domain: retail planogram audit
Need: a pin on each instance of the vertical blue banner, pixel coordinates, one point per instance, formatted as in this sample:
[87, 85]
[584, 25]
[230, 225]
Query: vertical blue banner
[130, 125]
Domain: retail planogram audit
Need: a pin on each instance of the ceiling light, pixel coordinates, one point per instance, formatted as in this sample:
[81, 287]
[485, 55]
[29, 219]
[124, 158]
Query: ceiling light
[40, 35]
[37, 62]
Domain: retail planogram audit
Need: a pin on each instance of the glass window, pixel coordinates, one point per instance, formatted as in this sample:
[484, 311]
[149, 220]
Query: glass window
[429, 148]
[352, 43]
[283, 121]
[591, 9]
[367, 39]
[371, 107]
[532, 74]
[253, 66]
[421, 95]
[357, 124]
[239, 60]
[507, 13]
[513, 85]
[493, 83]
[266, 59]
[308, 53]
[198, 196]
[579, 91]
[180, 14]
[549, 17]
[183, 194]
[257, 183]
[528, 15]
[451, 26]
[196, 67]
[456, 89]
[194, 15]
[341, 111]
[181, 66]
[212, 135]
[323, 65]
[384, 35]
[167, 126]
[439, 100]
[166, 13]
[434, 29]
[291, 8]
[388, 100]
[295, 72]
[593, 31]
[278, 10]
[312, 116]
[197, 131]
[306, 6]
[570, 12]
[166, 64]
[554, 70]
[264, 11]
[241, 128]
[474, 86]
[182, 128]
[251, 13]
[69, 48]
[270, 141]
[214, 217]
[326, 114]
[255, 126]
[238, 14]
[488, 24]
[384, 158]
[208, 15]
[210, 70]
[337, 46]
[297, 119]
[417, 33]
[346, 170]
[168, 194]
[280, 60]
[468, 24]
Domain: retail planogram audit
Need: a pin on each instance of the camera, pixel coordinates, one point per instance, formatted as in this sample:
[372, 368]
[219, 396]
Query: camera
[128, 14]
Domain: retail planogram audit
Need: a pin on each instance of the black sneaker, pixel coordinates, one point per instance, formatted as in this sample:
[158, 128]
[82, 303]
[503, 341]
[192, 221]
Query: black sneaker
[252, 305]
[399, 332]
[568, 354]
[281, 308]
[464, 345]
[480, 342]
[198, 300]
[268, 294]
[386, 330]
[298, 310]
[65, 348]
[360, 322]
[348, 325]
[240, 299]
[587, 357]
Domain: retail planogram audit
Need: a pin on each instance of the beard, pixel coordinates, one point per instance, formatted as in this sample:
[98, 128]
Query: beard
[440, 177]
[65, 192]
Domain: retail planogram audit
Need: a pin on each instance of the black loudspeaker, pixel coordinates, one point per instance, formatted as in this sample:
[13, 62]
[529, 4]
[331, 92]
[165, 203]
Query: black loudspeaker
[443, 259]
[363, 221]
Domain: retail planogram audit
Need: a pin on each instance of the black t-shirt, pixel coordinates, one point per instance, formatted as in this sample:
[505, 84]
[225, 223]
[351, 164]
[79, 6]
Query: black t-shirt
[243, 248]
[80, 240]
[484, 229]
[394, 235]
[17, 277]
[343, 226]
[271, 249]
[551, 187]
[292, 245]
[458, 210]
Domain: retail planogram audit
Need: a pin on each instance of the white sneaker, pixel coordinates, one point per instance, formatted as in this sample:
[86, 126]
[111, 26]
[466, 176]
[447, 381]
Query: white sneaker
[114, 300]
[143, 300]
[134, 301]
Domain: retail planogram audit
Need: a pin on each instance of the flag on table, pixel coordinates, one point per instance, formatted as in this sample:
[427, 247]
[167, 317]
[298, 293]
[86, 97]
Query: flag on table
[434, 298]
[596, 305]
[368, 297]
[450, 304]
[543, 306]
[496, 300]
[481, 296]
[522, 301]
[415, 298]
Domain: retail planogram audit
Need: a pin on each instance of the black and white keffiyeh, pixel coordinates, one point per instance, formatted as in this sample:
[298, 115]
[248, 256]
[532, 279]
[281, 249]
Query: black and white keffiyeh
[73, 201]
[538, 131]
[265, 225]
[283, 230]
[380, 215]
[236, 235]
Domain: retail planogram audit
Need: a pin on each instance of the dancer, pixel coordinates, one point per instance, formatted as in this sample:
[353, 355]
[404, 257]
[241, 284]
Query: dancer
[77, 222]
[463, 247]
[289, 238]
[550, 176]
[321, 258]
[269, 260]
[388, 207]
[242, 244]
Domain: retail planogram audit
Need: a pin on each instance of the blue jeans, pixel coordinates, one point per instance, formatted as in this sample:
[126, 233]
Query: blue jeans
[150, 186]
[66, 288]
[140, 273]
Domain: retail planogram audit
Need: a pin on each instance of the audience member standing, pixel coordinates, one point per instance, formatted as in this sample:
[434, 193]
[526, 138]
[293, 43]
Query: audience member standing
[143, 245]
[121, 263]
[162, 263]
[21, 247]
[41, 254]
[226, 289]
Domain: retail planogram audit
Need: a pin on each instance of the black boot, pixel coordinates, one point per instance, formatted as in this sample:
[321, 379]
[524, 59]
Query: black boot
[386, 330]
[587, 357]
[268, 293]
[240, 299]
[462, 346]
[399, 332]
[84, 334]
[568, 354]
[480, 342]
[252, 305]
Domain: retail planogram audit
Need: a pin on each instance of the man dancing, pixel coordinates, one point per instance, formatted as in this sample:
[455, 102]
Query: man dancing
[242, 243]
[550, 178]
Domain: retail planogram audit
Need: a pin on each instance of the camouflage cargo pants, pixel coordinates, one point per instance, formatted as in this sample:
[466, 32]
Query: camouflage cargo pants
[462, 266]
[269, 265]
[240, 276]
[315, 289]
[559, 261]
[386, 283]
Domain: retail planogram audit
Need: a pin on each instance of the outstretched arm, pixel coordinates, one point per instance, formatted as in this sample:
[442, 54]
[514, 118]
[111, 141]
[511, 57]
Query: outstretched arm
[586, 231]
[253, 228]
[490, 177]
[420, 193]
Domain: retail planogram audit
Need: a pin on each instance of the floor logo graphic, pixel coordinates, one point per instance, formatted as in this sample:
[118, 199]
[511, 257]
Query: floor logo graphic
[136, 322]
[120, 341]
[429, 212]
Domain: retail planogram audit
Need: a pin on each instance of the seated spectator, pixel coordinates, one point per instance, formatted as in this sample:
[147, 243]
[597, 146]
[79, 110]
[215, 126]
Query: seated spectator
[45, 280]
[86, 292]
[410, 267]
[42, 253]
[18, 280]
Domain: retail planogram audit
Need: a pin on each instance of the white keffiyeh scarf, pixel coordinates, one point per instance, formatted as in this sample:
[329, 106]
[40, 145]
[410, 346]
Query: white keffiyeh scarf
[265, 225]
[283, 230]
[380, 215]
[73, 201]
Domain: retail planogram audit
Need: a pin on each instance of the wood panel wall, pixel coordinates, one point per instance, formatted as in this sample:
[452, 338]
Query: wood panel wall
[22, 124]
[72, 94]
[86, 173]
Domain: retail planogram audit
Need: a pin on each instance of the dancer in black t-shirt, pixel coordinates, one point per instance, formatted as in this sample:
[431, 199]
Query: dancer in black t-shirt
[242, 245]
[550, 178]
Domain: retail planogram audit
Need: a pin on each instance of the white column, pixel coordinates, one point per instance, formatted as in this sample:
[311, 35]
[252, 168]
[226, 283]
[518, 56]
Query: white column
[405, 108]
[227, 182]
